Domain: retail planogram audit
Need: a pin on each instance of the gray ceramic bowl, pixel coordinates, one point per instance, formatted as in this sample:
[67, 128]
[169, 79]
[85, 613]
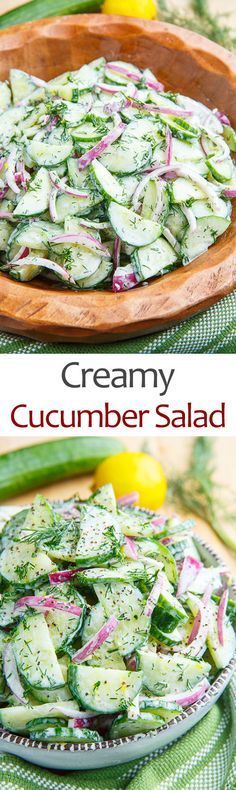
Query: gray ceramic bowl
[107, 753]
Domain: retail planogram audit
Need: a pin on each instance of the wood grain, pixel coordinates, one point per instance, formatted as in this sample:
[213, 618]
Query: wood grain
[172, 452]
[186, 62]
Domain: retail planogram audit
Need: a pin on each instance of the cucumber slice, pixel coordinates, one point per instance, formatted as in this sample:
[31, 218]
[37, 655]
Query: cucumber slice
[102, 273]
[163, 555]
[150, 201]
[39, 517]
[41, 724]
[5, 97]
[120, 79]
[229, 136]
[154, 259]
[22, 85]
[128, 572]
[25, 272]
[70, 113]
[143, 128]
[132, 228]
[12, 525]
[98, 536]
[36, 234]
[171, 673]
[63, 627]
[18, 717]
[107, 655]
[126, 602]
[105, 497]
[168, 612]
[201, 208]
[5, 232]
[183, 151]
[103, 690]
[21, 565]
[68, 205]
[125, 158]
[159, 707]
[207, 231]
[65, 735]
[124, 726]
[35, 655]
[183, 190]
[36, 199]
[176, 221]
[7, 603]
[221, 171]
[135, 524]
[170, 640]
[49, 154]
[108, 185]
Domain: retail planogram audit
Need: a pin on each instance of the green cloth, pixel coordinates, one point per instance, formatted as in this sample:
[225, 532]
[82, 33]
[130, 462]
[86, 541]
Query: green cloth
[203, 759]
[213, 331]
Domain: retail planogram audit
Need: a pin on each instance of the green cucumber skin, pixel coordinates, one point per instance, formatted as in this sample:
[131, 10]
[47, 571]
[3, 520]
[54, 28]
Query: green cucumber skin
[40, 464]
[37, 9]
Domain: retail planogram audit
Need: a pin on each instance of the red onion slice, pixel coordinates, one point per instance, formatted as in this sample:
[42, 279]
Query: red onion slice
[158, 522]
[23, 252]
[48, 603]
[59, 184]
[171, 239]
[222, 117]
[131, 663]
[153, 597]
[169, 146]
[190, 569]
[175, 113]
[221, 615]
[186, 698]
[130, 549]
[11, 674]
[190, 216]
[3, 192]
[128, 499]
[58, 577]
[123, 280]
[93, 644]
[10, 171]
[131, 75]
[52, 205]
[98, 149]
[231, 193]
[33, 260]
[83, 239]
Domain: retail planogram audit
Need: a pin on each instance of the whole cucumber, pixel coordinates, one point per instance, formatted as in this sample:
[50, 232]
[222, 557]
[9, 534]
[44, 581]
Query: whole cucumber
[38, 9]
[41, 464]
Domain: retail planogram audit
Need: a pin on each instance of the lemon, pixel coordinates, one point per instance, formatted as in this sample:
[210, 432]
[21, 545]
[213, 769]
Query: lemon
[130, 472]
[145, 9]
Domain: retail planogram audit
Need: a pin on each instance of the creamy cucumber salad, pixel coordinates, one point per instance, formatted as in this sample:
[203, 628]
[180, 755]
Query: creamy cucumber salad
[110, 624]
[108, 180]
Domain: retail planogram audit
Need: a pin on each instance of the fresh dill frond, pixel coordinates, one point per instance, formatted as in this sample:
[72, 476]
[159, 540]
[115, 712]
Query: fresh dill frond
[197, 491]
[200, 20]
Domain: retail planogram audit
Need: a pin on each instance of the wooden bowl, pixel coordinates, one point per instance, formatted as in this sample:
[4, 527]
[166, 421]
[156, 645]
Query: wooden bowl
[185, 62]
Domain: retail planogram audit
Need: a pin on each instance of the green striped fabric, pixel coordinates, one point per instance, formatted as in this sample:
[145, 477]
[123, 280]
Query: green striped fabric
[213, 331]
[203, 759]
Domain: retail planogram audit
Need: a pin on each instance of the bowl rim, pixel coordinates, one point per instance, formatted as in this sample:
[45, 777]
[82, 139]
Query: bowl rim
[222, 679]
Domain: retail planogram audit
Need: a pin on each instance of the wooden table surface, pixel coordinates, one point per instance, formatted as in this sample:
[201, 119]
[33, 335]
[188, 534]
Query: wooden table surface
[216, 6]
[173, 453]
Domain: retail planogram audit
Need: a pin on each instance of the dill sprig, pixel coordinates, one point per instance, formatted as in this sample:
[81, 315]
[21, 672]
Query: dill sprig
[200, 20]
[196, 491]
[48, 536]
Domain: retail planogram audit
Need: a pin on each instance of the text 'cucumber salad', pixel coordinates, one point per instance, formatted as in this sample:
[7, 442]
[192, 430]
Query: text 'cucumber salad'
[106, 180]
[110, 624]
